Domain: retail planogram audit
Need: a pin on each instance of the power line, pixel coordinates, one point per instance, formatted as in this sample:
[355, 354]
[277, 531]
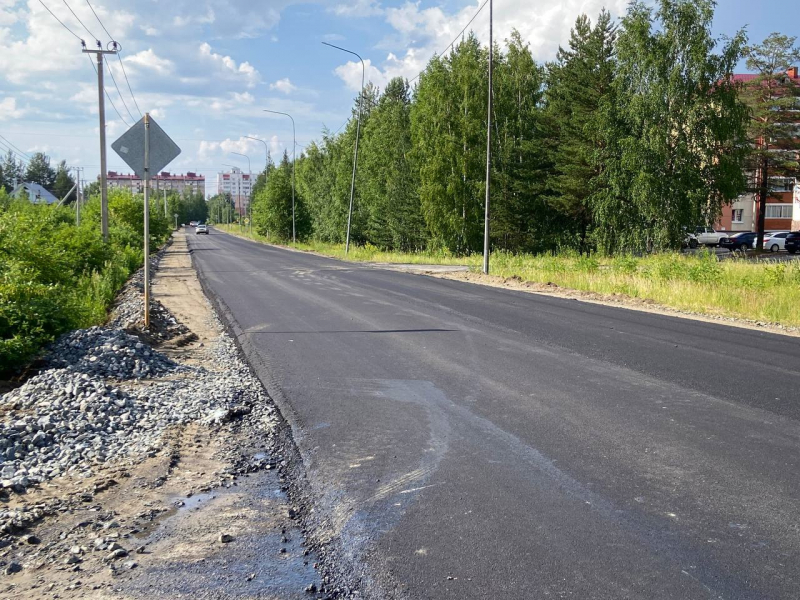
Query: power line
[59, 20]
[15, 147]
[111, 37]
[108, 96]
[15, 155]
[110, 72]
[79, 21]
[458, 36]
[119, 57]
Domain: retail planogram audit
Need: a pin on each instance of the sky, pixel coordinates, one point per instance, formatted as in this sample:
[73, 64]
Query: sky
[206, 69]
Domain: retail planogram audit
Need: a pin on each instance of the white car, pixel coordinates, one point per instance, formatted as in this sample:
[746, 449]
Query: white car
[201, 229]
[775, 241]
[708, 236]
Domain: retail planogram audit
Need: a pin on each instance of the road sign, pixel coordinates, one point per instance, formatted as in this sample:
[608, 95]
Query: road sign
[130, 147]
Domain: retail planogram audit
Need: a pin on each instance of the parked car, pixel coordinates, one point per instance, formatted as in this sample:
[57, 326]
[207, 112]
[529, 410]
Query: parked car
[710, 237]
[200, 228]
[743, 241]
[792, 242]
[775, 241]
[689, 239]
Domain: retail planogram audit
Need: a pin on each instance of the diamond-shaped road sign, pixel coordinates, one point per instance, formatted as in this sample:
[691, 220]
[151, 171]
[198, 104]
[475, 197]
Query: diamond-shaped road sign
[130, 147]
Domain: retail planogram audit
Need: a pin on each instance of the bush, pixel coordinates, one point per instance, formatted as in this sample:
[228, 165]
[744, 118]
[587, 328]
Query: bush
[56, 276]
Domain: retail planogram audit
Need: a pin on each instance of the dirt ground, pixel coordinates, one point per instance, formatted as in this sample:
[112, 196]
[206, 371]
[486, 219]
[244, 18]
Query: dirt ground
[205, 516]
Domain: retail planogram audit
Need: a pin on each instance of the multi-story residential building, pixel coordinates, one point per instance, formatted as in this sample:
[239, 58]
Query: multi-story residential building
[238, 185]
[190, 182]
[783, 203]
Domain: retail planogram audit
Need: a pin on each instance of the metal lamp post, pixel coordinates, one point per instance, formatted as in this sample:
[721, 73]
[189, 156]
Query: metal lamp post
[238, 186]
[294, 150]
[266, 174]
[250, 175]
[355, 152]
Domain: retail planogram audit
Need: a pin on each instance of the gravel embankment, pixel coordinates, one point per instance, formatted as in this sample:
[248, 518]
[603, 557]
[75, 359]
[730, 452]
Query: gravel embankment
[109, 397]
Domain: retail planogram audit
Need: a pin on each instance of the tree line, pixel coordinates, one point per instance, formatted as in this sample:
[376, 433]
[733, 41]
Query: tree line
[634, 132]
[58, 180]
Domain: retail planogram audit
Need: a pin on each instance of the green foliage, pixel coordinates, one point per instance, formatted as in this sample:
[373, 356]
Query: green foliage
[633, 133]
[773, 99]
[63, 183]
[12, 171]
[679, 135]
[272, 206]
[56, 276]
[39, 171]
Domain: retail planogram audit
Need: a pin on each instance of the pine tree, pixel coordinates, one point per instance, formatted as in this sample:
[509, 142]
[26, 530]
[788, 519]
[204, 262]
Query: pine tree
[39, 171]
[773, 99]
[388, 186]
[272, 207]
[63, 183]
[12, 171]
[579, 87]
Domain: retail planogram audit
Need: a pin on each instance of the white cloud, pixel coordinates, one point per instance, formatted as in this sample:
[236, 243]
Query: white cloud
[276, 148]
[210, 150]
[283, 85]
[358, 8]
[9, 110]
[149, 60]
[423, 32]
[244, 70]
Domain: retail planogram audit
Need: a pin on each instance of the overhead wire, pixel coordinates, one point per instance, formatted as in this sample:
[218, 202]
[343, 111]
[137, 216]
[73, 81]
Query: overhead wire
[60, 21]
[81, 22]
[110, 72]
[119, 57]
[108, 96]
[15, 155]
[8, 142]
[455, 39]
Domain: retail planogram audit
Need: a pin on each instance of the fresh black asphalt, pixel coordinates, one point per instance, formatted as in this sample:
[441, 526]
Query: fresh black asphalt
[463, 441]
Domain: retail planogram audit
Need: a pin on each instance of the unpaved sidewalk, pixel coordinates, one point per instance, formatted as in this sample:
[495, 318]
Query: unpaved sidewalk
[203, 515]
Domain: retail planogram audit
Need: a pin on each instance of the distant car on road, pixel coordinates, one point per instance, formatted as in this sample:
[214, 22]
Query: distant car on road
[743, 241]
[792, 242]
[775, 241]
[200, 228]
[709, 236]
[192, 223]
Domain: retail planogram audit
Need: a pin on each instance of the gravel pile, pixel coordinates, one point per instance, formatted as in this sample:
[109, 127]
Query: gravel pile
[128, 311]
[102, 400]
[108, 353]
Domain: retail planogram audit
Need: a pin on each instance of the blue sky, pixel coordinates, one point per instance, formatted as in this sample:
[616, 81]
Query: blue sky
[205, 69]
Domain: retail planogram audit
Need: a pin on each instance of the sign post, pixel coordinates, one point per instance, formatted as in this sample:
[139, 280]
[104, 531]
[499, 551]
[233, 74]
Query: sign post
[147, 220]
[145, 148]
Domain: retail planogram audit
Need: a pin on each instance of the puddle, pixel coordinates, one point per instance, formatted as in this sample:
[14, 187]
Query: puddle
[266, 557]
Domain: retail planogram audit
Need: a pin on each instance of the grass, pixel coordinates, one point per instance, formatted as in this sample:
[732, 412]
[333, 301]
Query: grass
[758, 291]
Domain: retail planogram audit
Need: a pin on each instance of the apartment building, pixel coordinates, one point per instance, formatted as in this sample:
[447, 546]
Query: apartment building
[783, 203]
[189, 182]
[238, 185]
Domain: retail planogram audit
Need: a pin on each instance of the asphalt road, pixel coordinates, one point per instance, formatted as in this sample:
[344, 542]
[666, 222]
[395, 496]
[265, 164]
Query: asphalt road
[472, 442]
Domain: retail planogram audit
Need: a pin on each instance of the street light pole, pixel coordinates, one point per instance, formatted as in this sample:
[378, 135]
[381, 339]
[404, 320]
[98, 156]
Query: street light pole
[355, 152]
[238, 187]
[294, 160]
[250, 175]
[266, 174]
[488, 153]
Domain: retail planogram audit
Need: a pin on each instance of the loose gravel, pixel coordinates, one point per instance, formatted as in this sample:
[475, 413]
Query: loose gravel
[109, 396]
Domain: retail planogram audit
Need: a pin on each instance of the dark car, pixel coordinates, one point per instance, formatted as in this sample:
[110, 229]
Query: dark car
[792, 244]
[740, 241]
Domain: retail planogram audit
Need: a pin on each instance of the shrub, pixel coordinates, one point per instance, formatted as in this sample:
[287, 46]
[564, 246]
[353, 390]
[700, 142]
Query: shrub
[56, 276]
